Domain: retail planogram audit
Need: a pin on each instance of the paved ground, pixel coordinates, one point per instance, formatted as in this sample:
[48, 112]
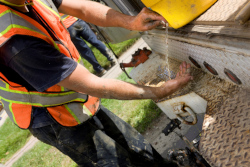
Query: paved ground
[3, 116]
[153, 134]
[125, 58]
[114, 72]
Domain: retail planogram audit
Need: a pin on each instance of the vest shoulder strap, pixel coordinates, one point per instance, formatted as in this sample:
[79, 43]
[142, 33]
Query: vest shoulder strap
[50, 4]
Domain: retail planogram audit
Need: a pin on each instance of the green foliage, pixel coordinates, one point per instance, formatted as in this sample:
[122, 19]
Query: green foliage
[118, 48]
[124, 77]
[43, 155]
[138, 113]
[12, 139]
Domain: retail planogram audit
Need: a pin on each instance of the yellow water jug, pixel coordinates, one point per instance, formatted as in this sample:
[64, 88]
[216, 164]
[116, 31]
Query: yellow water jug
[179, 12]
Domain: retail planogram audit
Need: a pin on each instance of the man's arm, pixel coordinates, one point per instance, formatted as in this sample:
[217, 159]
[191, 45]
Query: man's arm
[104, 16]
[116, 89]
[88, 83]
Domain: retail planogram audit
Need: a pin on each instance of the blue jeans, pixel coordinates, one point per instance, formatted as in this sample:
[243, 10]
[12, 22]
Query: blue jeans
[80, 30]
[102, 141]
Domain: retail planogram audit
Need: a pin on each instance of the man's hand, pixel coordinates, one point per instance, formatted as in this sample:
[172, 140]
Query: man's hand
[106, 17]
[147, 20]
[81, 80]
[182, 78]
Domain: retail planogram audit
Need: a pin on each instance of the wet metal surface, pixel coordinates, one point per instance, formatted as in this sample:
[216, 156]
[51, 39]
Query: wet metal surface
[217, 56]
[226, 133]
[225, 137]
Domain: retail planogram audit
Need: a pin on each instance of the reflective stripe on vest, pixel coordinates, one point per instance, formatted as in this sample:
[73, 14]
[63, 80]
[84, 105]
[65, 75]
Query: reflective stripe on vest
[18, 105]
[19, 26]
[22, 118]
[66, 107]
[40, 99]
[8, 16]
[70, 114]
[68, 20]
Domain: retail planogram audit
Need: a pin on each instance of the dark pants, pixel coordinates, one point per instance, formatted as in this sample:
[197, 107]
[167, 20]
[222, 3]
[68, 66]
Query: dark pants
[80, 30]
[106, 141]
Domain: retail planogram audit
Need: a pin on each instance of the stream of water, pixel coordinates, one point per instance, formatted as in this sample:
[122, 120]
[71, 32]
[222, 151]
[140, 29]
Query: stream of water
[166, 40]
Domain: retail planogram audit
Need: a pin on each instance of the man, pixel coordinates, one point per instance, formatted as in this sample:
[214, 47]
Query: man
[80, 30]
[45, 90]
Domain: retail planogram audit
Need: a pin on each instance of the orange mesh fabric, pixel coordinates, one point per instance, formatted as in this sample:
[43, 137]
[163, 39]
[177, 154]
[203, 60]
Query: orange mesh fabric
[92, 104]
[22, 114]
[62, 116]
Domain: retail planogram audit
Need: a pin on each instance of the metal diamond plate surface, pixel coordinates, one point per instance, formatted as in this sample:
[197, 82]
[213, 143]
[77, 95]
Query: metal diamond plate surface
[219, 58]
[225, 140]
[226, 133]
[223, 10]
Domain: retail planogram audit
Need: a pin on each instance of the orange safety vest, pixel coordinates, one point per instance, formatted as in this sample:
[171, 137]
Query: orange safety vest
[68, 20]
[69, 108]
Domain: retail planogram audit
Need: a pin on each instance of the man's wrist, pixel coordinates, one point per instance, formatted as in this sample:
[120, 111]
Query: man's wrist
[128, 22]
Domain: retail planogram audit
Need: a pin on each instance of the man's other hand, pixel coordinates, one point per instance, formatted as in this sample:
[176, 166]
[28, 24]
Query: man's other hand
[147, 20]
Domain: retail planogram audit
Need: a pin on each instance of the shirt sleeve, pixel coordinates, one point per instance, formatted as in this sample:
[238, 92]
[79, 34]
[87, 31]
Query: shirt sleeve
[37, 62]
[57, 3]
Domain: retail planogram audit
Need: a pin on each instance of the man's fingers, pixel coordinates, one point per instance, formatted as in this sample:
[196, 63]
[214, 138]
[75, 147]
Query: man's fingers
[188, 71]
[185, 68]
[150, 19]
[181, 68]
[154, 15]
[153, 24]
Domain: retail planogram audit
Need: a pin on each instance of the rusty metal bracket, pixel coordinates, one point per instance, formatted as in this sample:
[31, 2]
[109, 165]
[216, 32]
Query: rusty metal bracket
[182, 106]
[183, 110]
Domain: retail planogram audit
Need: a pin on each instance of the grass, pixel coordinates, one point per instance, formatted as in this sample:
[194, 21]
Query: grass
[138, 113]
[12, 139]
[118, 48]
[43, 155]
